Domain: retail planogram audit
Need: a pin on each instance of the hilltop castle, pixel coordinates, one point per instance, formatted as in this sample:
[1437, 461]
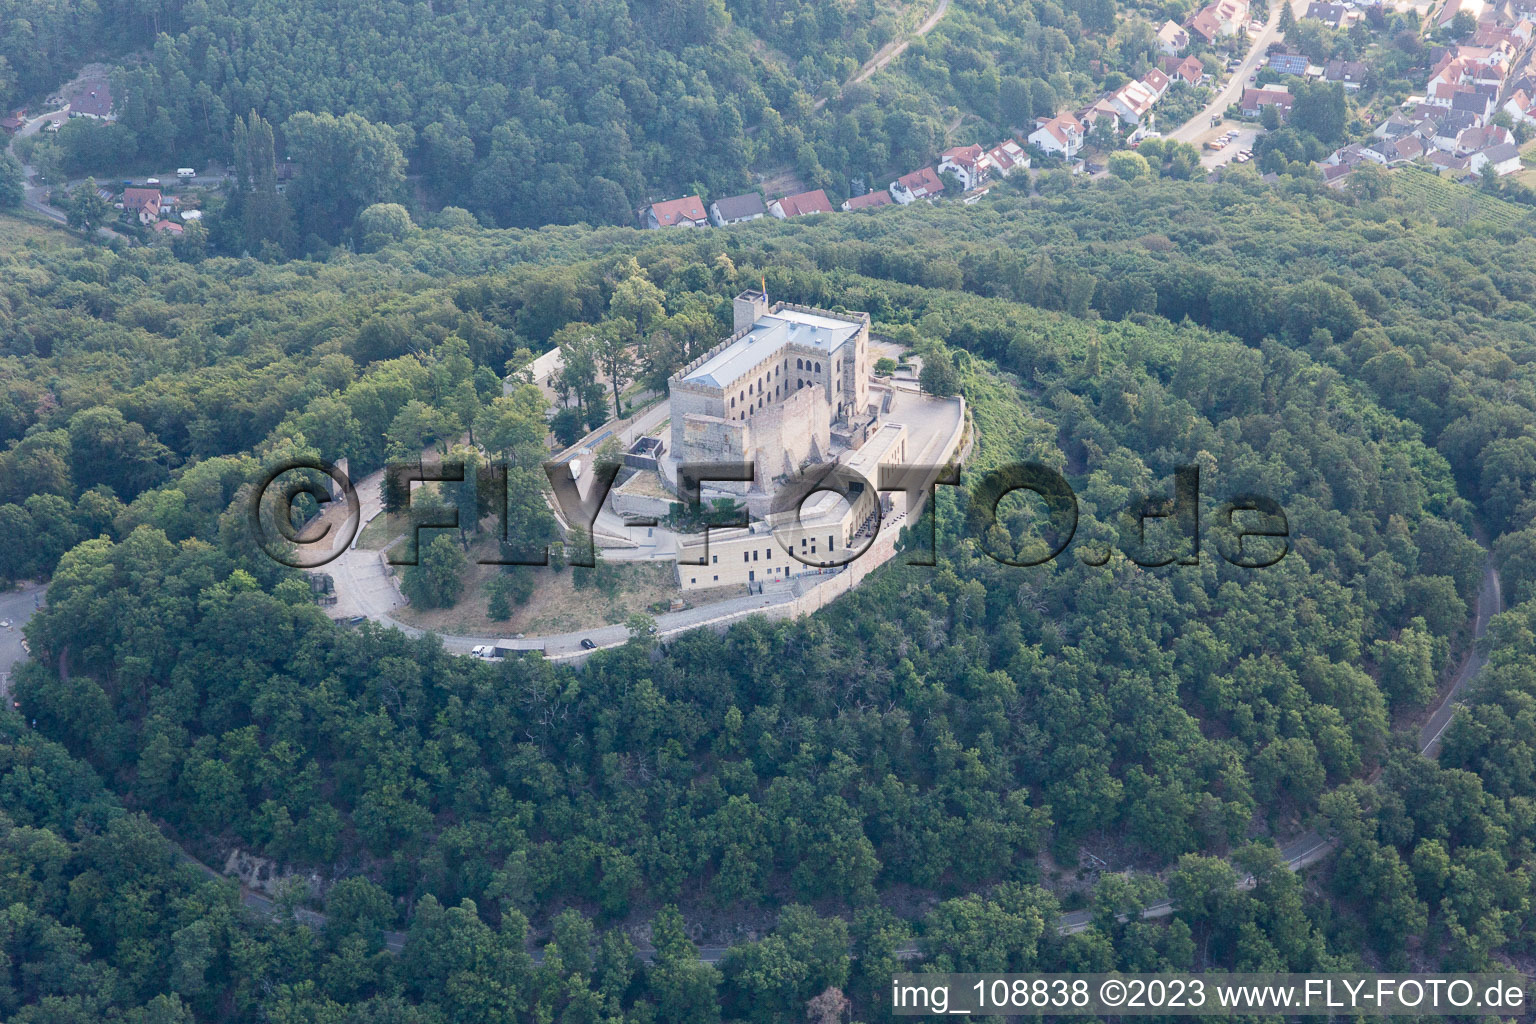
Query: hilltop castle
[787, 387]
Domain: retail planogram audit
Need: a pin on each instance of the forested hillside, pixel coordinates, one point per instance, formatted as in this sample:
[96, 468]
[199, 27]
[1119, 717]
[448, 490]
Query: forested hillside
[529, 114]
[925, 760]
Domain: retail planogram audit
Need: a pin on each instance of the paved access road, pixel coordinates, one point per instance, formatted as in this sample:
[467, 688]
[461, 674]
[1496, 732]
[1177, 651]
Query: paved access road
[16, 607]
[1192, 130]
[1490, 602]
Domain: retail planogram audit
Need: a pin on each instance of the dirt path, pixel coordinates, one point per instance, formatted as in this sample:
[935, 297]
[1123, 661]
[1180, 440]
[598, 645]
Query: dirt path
[890, 51]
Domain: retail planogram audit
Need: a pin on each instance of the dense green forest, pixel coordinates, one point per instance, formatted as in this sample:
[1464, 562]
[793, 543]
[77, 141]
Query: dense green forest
[528, 114]
[923, 762]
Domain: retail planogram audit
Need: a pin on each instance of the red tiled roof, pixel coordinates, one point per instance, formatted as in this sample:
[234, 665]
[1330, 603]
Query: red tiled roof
[962, 156]
[674, 211]
[805, 202]
[922, 182]
[870, 200]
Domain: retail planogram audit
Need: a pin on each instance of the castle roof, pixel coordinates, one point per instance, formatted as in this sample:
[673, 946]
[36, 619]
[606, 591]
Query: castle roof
[772, 333]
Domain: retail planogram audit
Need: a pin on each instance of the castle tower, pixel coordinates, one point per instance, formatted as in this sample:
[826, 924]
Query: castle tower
[747, 308]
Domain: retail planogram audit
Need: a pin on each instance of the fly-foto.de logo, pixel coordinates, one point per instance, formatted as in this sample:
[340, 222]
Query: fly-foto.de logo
[1250, 531]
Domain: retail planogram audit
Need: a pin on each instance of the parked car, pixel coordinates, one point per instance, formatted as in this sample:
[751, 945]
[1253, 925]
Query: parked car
[587, 644]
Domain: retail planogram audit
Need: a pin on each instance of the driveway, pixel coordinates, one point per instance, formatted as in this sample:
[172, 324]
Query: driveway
[16, 607]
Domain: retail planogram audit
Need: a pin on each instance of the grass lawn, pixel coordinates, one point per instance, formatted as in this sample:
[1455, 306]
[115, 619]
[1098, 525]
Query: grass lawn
[557, 605]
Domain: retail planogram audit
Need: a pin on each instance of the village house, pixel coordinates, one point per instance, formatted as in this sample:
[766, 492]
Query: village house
[1006, 157]
[736, 209]
[800, 205]
[868, 201]
[1521, 107]
[1288, 63]
[13, 122]
[1188, 69]
[1060, 135]
[1222, 19]
[1482, 137]
[1332, 15]
[966, 163]
[1396, 126]
[1350, 156]
[1172, 39]
[1454, 7]
[923, 183]
[93, 98]
[144, 203]
[1504, 158]
[1443, 161]
[1133, 101]
[166, 227]
[687, 212]
[1393, 153]
[1349, 73]
[1255, 100]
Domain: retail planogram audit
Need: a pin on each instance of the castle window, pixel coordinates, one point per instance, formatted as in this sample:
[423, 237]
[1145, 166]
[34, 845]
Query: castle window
[799, 365]
[754, 556]
[714, 559]
[759, 403]
[733, 403]
[818, 367]
[799, 383]
[743, 556]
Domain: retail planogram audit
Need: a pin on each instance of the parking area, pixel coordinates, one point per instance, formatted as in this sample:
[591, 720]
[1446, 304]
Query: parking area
[1229, 143]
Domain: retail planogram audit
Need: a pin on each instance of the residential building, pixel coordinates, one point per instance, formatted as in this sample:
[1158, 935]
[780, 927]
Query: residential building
[1288, 63]
[1454, 7]
[923, 183]
[1133, 101]
[800, 205]
[1205, 26]
[1060, 135]
[1482, 137]
[13, 122]
[1395, 127]
[1006, 157]
[1349, 73]
[1172, 38]
[1521, 107]
[736, 209]
[1254, 100]
[1443, 161]
[1329, 14]
[687, 212]
[1187, 69]
[143, 202]
[1503, 158]
[92, 98]
[1479, 105]
[869, 200]
[1158, 82]
[966, 163]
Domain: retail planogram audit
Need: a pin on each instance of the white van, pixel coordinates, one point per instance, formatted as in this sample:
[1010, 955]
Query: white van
[185, 172]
